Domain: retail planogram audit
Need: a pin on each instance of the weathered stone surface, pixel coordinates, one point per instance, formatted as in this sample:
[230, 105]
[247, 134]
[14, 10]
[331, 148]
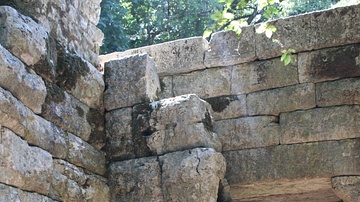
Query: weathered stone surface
[311, 31]
[16, 79]
[71, 183]
[329, 64]
[130, 80]
[28, 168]
[226, 48]
[228, 107]
[261, 75]
[180, 56]
[192, 175]
[166, 84]
[80, 78]
[22, 36]
[276, 101]
[12, 112]
[67, 112]
[136, 180]
[180, 123]
[249, 132]
[86, 156]
[297, 161]
[208, 83]
[333, 123]
[8, 193]
[345, 91]
[347, 187]
[119, 134]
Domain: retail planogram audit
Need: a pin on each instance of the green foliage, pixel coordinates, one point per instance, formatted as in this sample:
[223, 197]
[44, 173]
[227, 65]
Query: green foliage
[287, 57]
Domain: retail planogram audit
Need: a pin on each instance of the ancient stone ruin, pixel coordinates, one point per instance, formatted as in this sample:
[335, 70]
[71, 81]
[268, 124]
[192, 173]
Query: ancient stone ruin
[188, 120]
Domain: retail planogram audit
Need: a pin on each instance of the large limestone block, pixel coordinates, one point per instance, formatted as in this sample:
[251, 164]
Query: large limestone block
[8, 193]
[136, 180]
[208, 83]
[333, 123]
[86, 156]
[12, 112]
[71, 183]
[180, 56]
[226, 48]
[315, 30]
[347, 187]
[179, 123]
[297, 161]
[286, 99]
[329, 64]
[22, 166]
[16, 79]
[22, 36]
[130, 80]
[80, 78]
[67, 112]
[227, 107]
[192, 175]
[120, 143]
[166, 84]
[249, 132]
[261, 75]
[340, 92]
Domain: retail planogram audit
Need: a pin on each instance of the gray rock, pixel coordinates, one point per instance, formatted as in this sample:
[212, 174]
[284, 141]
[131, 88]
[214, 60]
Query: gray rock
[179, 123]
[22, 36]
[286, 99]
[166, 84]
[340, 92]
[296, 161]
[208, 83]
[261, 75]
[228, 107]
[86, 156]
[16, 79]
[249, 132]
[8, 193]
[29, 168]
[320, 124]
[226, 48]
[136, 180]
[130, 80]
[192, 175]
[346, 187]
[329, 64]
[180, 56]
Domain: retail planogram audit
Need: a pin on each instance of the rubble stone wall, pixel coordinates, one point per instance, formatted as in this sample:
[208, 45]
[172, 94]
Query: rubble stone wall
[287, 133]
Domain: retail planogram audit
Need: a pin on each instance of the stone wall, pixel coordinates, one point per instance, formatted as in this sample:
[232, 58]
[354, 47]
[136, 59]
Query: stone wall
[287, 133]
[51, 102]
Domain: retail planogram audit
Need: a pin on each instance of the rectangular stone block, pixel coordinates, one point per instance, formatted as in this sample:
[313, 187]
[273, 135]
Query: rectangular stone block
[297, 161]
[120, 143]
[208, 83]
[180, 56]
[86, 156]
[320, 124]
[67, 112]
[16, 79]
[340, 92]
[8, 193]
[226, 48]
[228, 107]
[166, 84]
[249, 132]
[192, 175]
[261, 75]
[136, 180]
[130, 80]
[329, 64]
[286, 99]
[28, 168]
